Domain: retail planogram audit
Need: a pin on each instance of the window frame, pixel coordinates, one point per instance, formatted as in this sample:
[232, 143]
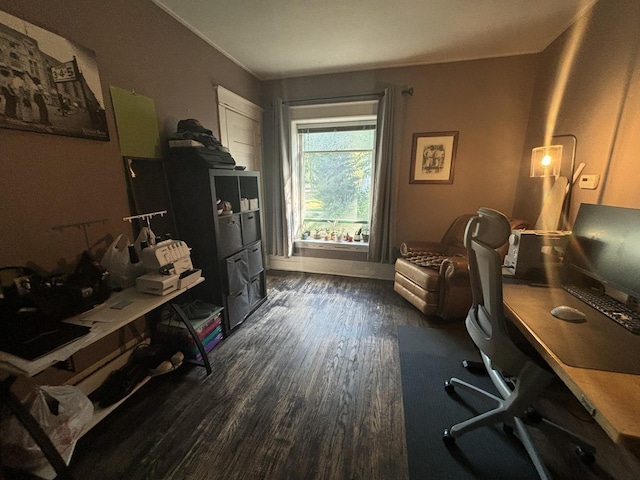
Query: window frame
[320, 122]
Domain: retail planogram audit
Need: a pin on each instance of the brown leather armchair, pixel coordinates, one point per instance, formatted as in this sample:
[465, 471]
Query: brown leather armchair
[434, 276]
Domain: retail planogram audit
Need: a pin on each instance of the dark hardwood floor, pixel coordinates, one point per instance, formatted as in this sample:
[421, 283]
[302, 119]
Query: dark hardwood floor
[308, 388]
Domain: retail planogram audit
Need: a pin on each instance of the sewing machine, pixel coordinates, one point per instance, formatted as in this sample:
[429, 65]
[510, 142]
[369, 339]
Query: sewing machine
[168, 266]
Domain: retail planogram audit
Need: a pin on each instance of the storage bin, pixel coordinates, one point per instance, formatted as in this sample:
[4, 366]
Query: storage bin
[250, 227]
[238, 307]
[237, 271]
[255, 290]
[254, 254]
[230, 235]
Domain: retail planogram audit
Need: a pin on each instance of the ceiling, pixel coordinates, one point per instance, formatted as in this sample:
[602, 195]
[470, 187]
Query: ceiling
[288, 38]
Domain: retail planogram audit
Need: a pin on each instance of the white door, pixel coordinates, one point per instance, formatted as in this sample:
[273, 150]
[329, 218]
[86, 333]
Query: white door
[240, 128]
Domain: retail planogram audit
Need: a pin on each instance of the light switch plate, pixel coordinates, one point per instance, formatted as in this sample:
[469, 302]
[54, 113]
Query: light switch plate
[589, 182]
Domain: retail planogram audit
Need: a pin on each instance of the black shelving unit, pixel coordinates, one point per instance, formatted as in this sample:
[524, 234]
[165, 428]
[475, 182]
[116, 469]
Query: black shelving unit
[227, 247]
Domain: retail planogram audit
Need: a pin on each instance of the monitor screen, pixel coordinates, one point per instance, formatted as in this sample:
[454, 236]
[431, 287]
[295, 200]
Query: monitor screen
[605, 246]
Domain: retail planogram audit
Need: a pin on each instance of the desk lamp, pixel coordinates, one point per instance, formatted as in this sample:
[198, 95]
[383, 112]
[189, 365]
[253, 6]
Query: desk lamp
[545, 161]
[555, 161]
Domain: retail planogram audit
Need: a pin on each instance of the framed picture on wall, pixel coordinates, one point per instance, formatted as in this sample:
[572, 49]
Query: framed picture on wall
[432, 157]
[48, 84]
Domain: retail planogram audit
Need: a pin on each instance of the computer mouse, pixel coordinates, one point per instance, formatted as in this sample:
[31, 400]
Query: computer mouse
[570, 314]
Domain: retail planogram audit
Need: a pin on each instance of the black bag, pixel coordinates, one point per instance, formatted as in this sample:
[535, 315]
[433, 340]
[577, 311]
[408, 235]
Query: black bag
[57, 296]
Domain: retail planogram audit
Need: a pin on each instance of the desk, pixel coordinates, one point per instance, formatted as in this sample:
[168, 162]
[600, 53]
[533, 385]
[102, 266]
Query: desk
[612, 398]
[120, 309]
[103, 320]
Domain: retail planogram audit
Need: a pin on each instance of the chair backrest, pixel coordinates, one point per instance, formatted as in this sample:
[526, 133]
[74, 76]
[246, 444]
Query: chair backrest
[486, 323]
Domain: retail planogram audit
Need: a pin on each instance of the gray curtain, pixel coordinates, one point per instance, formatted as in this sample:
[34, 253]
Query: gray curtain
[382, 225]
[280, 190]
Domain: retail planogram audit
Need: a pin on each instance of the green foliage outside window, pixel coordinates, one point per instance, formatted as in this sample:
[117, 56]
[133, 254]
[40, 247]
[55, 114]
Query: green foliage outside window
[337, 176]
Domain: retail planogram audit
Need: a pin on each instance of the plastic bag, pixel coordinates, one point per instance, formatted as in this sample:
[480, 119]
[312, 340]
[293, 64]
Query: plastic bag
[145, 236]
[116, 260]
[62, 412]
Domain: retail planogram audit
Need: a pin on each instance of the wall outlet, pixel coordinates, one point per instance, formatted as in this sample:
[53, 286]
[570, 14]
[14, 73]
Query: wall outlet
[589, 182]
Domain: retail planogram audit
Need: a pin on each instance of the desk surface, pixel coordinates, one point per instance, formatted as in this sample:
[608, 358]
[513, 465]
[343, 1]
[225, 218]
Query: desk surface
[612, 398]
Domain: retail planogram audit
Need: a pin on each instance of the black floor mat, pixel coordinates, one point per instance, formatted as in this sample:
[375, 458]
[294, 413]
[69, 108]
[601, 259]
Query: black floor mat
[429, 357]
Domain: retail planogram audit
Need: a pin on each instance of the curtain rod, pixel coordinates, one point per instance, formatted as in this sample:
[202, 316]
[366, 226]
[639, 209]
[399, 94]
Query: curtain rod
[336, 98]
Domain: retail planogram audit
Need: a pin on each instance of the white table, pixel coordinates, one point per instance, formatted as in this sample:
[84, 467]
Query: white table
[120, 309]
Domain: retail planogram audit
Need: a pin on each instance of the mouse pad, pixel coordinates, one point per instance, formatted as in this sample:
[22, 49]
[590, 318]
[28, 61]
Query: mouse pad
[598, 343]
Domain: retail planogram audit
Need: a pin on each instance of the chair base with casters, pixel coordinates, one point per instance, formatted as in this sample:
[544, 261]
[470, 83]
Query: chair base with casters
[514, 412]
[528, 376]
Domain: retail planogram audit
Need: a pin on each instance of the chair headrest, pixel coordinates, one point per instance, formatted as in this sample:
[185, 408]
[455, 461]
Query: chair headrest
[490, 227]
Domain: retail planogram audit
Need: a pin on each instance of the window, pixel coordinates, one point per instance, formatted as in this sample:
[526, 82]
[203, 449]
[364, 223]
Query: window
[335, 157]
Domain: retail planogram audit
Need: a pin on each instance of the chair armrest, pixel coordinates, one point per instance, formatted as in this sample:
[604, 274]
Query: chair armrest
[421, 246]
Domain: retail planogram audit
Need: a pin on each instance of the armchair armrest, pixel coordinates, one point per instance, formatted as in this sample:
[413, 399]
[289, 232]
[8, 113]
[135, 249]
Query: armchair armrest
[455, 268]
[455, 289]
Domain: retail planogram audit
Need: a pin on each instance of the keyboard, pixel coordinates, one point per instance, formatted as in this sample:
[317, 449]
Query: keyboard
[608, 306]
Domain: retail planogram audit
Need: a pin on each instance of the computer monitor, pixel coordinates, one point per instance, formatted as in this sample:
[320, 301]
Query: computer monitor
[605, 246]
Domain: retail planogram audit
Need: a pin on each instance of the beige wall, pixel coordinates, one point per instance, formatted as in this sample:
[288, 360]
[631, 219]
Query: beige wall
[49, 180]
[499, 107]
[599, 105]
[486, 101]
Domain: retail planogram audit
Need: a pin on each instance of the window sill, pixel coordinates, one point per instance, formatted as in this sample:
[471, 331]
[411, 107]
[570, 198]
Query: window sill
[332, 245]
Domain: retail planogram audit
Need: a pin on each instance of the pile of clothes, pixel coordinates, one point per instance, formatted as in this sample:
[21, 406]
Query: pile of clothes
[200, 143]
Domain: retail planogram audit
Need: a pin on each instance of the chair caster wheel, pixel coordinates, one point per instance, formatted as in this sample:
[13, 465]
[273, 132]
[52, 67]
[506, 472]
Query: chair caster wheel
[508, 429]
[586, 457]
[448, 439]
[448, 387]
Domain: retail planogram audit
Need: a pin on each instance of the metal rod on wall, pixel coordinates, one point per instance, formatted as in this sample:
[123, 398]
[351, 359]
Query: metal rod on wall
[336, 98]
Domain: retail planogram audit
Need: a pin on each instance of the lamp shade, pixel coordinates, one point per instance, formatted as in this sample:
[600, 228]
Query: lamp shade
[545, 161]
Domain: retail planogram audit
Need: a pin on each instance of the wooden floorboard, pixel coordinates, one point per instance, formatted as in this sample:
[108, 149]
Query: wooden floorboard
[307, 388]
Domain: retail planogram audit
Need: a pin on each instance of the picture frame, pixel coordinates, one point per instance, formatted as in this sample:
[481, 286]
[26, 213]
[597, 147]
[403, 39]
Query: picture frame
[48, 84]
[432, 157]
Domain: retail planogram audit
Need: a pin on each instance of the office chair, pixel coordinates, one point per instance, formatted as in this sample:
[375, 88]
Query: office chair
[518, 377]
